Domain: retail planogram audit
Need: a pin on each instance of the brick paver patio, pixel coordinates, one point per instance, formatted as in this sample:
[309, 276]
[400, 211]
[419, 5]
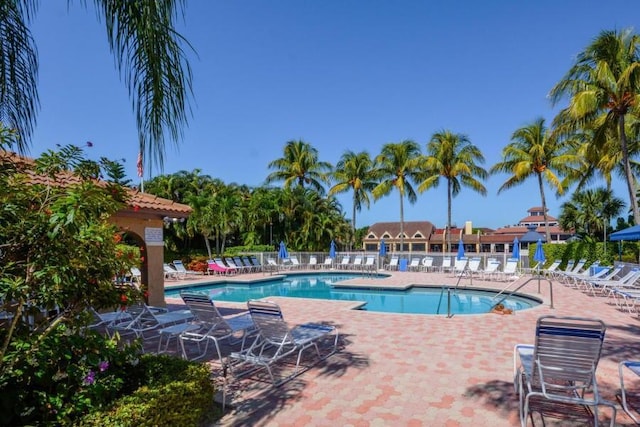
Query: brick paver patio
[419, 370]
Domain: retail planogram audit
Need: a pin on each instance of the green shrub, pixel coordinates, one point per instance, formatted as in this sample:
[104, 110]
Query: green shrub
[175, 392]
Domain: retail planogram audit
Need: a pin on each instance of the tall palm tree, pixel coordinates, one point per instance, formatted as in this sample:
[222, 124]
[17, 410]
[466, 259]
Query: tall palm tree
[300, 165]
[453, 157]
[603, 87]
[397, 166]
[354, 172]
[149, 54]
[535, 151]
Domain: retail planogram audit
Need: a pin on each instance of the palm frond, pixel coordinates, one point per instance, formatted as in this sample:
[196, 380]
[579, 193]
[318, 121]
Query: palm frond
[150, 56]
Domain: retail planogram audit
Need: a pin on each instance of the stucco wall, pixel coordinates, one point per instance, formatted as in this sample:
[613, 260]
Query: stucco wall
[152, 267]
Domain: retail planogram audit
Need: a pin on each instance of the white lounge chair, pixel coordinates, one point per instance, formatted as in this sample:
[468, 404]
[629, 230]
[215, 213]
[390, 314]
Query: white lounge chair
[414, 265]
[474, 266]
[313, 262]
[491, 270]
[181, 269]
[357, 262]
[143, 319]
[328, 262]
[510, 271]
[295, 263]
[393, 263]
[211, 326]
[427, 263]
[276, 341]
[632, 366]
[589, 284]
[172, 273]
[136, 276]
[344, 264]
[446, 265]
[607, 286]
[556, 377]
[370, 263]
[460, 266]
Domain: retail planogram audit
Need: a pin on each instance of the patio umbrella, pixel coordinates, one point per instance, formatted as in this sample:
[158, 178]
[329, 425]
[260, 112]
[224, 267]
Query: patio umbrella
[282, 253]
[516, 249]
[383, 248]
[382, 252]
[539, 254]
[460, 249]
[332, 250]
[540, 258]
[628, 234]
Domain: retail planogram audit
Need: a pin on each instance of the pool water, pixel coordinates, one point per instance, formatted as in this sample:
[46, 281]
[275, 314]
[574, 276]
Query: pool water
[433, 300]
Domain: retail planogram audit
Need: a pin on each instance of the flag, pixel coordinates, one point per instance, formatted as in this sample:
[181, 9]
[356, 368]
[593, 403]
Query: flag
[139, 164]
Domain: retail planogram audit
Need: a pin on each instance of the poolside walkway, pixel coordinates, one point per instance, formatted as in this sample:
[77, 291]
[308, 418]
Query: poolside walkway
[418, 370]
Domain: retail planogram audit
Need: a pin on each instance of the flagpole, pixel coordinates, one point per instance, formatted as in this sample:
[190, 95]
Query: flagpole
[139, 165]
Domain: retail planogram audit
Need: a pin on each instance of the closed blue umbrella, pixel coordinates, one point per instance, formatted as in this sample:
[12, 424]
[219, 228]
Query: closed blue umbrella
[282, 253]
[383, 248]
[539, 254]
[540, 258]
[460, 249]
[516, 249]
[332, 250]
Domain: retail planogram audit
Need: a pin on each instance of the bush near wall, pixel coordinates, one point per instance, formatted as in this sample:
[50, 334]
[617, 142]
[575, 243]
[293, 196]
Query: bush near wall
[591, 251]
[176, 392]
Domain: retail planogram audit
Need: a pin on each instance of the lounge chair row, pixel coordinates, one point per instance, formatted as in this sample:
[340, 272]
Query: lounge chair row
[259, 338]
[460, 267]
[234, 265]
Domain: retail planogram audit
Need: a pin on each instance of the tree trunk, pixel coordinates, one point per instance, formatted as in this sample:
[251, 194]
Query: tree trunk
[208, 245]
[401, 222]
[627, 171]
[544, 208]
[353, 218]
[449, 215]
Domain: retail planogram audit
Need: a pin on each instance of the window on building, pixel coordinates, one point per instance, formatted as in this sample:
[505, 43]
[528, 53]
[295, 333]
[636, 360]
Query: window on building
[371, 247]
[418, 247]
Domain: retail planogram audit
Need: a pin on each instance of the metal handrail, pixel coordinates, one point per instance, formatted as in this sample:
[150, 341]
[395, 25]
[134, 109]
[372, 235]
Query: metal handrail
[538, 277]
[448, 289]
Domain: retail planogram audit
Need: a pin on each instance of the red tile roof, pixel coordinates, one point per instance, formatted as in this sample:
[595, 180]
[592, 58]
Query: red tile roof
[138, 203]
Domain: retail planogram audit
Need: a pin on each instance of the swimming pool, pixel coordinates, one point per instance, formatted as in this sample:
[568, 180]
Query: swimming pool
[419, 300]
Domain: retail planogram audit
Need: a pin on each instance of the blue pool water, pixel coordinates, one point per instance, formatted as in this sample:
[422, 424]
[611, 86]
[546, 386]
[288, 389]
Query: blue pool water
[320, 286]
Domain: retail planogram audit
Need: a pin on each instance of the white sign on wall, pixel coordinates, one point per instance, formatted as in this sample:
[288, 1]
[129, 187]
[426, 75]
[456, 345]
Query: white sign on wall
[153, 236]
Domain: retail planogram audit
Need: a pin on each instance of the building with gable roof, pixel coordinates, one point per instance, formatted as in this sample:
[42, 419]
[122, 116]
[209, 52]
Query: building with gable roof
[423, 236]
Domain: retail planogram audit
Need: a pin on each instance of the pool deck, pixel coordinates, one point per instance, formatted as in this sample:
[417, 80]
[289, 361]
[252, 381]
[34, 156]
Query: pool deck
[417, 370]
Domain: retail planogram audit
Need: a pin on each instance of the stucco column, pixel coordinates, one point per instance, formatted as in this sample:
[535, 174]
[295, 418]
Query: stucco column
[155, 275]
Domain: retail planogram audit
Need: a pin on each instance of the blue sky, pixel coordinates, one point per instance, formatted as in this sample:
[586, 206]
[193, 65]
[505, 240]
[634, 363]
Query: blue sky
[338, 74]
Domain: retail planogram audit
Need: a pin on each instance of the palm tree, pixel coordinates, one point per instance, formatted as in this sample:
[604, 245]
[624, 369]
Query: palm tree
[397, 166]
[535, 151]
[603, 87]
[149, 54]
[299, 165]
[354, 172]
[453, 157]
[589, 212]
